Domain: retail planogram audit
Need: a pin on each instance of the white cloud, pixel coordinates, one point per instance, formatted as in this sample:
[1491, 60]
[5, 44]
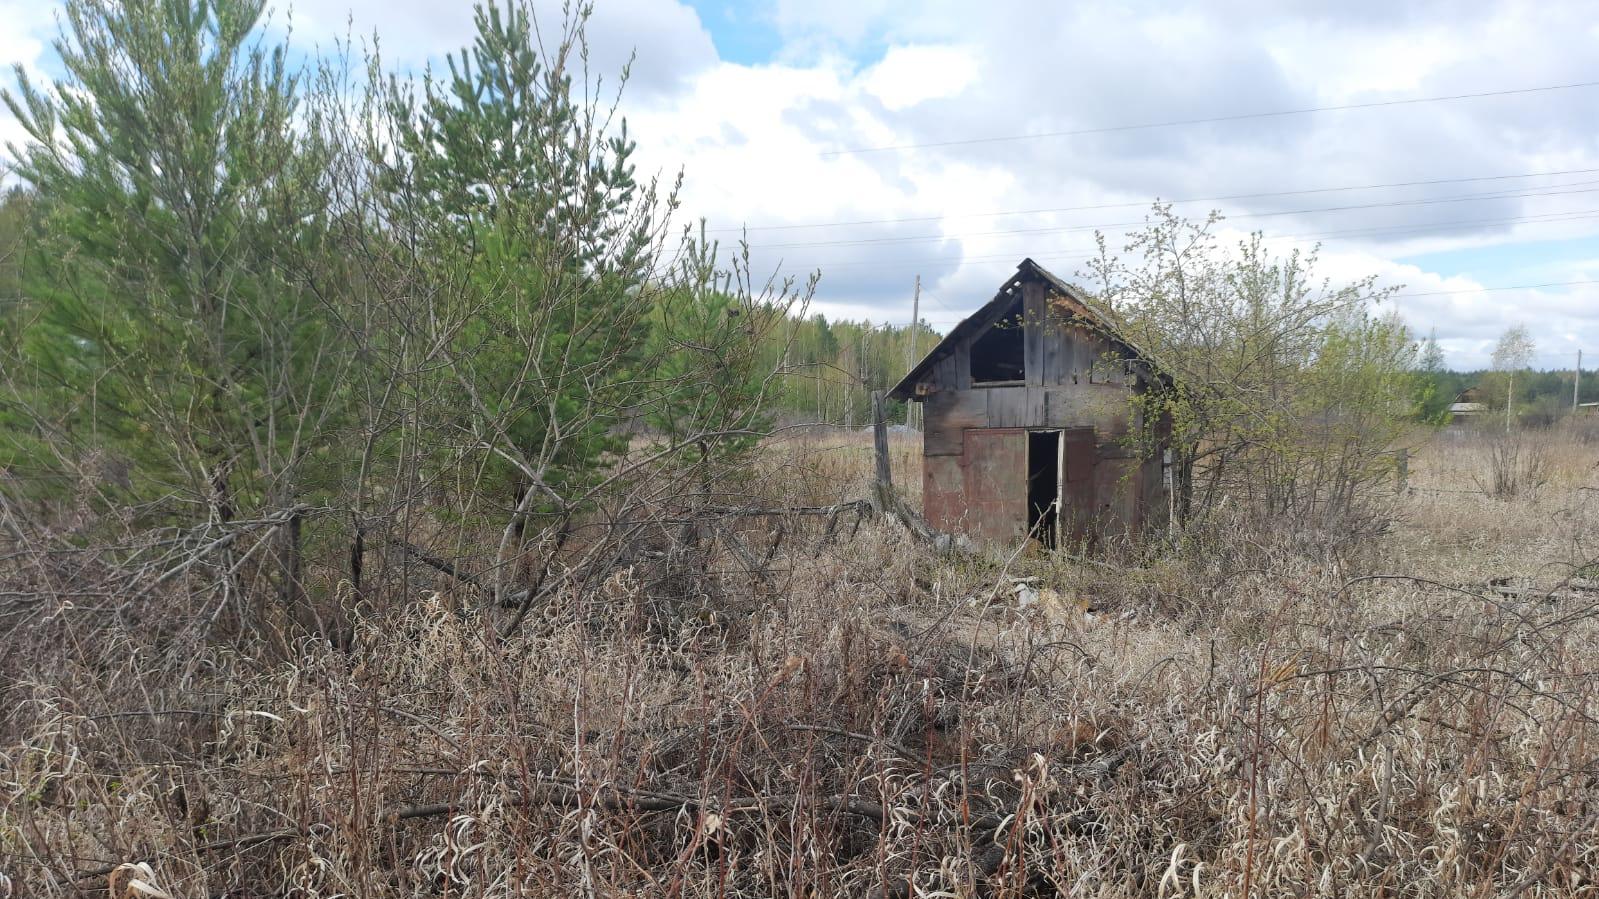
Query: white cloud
[672, 43]
[26, 33]
[410, 32]
[1098, 65]
[22, 42]
[908, 76]
[754, 140]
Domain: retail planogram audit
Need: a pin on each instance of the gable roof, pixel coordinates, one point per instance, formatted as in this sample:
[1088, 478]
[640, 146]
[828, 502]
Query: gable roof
[970, 326]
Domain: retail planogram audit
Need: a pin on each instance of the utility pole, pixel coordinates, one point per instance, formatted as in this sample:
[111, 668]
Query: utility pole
[1576, 382]
[866, 384]
[910, 350]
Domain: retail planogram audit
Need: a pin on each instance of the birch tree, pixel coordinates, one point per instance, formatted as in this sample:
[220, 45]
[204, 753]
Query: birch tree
[1512, 354]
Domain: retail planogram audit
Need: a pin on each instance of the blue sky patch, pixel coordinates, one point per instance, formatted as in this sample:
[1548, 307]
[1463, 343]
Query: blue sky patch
[1509, 263]
[744, 33]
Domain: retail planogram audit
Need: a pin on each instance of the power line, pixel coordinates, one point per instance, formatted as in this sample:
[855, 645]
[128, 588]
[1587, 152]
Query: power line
[1142, 203]
[1495, 195]
[1388, 230]
[1438, 293]
[1211, 119]
[1445, 225]
[1394, 230]
[1426, 293]
[943, 305]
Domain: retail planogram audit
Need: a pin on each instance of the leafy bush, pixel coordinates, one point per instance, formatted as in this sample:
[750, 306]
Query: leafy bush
[1290, 394]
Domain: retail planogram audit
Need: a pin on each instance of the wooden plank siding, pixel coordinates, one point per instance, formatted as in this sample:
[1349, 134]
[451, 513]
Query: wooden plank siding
[1078, 378]
[1033, 334]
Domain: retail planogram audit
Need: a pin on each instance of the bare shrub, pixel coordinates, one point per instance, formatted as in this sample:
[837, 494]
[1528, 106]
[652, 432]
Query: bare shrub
[851, 716]
[1517, 462]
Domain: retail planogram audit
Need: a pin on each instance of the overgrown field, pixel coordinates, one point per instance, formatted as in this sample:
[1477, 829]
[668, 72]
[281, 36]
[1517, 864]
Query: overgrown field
[816, 705]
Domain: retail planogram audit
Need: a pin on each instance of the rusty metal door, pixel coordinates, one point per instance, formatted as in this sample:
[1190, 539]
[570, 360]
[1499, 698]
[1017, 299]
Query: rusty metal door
[1079, 452]
[995, 460]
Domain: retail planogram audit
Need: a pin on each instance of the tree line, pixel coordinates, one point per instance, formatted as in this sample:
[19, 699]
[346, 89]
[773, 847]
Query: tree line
[1533, 397]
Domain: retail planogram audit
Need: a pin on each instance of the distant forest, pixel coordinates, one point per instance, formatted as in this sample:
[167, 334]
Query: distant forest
[834, 365]
[1541, 397]
[838, 363]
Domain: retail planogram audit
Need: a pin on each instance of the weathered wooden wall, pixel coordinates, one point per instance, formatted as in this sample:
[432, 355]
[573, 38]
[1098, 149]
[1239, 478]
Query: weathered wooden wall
[975, 439]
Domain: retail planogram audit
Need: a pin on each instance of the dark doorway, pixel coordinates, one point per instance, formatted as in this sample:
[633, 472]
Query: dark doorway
[1043, 485]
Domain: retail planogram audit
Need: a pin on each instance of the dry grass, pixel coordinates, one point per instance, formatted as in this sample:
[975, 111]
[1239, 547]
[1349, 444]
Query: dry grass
[835, 465]
[861, 718]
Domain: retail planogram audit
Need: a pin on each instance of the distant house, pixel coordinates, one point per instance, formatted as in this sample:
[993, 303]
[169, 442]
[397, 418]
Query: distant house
[1467, 405]
[1588, 409]
[1028, 410]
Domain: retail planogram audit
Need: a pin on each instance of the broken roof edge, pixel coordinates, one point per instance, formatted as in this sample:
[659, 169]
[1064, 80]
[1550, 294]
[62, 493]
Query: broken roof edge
[1027, 268]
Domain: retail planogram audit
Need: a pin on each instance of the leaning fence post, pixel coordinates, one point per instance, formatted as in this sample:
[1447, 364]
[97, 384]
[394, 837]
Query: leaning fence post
[884, 500]
[1402, 467]
[885, 480]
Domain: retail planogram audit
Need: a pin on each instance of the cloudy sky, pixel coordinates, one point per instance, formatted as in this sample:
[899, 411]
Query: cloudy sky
[1486, 208]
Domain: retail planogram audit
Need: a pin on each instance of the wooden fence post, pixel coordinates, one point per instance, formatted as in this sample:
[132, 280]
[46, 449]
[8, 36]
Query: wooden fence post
[884, 500]
[885, 477]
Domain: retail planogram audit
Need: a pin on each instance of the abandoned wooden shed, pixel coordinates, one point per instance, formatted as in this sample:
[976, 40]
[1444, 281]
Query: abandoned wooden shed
[1029, 421]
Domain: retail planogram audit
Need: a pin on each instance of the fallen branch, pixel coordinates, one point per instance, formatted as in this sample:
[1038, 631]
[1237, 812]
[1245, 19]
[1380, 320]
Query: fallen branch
[518, 600]
[902, 750]
[570, 795]
[566, 792]
[438, 564]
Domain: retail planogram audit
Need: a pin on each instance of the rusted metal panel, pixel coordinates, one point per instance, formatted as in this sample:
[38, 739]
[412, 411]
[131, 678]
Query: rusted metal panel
[989, 452]
[1079, 457]
[1115, 446]
[947, 415]
[996, 484]
[975, 480]
[1116, 495]
[944, 492]
[943, 440]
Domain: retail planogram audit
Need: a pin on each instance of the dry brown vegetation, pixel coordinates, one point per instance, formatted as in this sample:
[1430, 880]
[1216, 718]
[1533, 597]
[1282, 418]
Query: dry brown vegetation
[384, 512]
[824, 707]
